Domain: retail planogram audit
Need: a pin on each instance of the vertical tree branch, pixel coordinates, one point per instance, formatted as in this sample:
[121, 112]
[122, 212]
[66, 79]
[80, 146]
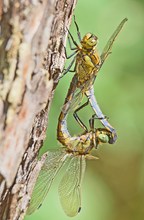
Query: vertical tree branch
[32, 58]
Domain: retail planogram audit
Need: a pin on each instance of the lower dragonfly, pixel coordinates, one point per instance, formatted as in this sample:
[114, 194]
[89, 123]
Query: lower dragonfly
[73, 155]
[87, 64]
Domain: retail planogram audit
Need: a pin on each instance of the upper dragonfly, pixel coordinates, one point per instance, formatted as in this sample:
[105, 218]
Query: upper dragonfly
[87, 64]
[73, 155]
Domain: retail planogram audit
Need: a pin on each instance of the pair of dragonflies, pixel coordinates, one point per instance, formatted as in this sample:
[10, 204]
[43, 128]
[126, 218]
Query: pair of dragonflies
[76, 149]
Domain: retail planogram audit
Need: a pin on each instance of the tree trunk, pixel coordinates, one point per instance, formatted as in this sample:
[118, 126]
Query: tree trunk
[32, 57]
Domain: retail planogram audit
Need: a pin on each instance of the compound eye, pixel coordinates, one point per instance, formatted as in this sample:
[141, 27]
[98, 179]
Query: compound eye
[88, 36]
[103, 138]
[93, 40]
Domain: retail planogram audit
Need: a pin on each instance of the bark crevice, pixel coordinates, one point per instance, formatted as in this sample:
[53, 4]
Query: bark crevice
[32, 59]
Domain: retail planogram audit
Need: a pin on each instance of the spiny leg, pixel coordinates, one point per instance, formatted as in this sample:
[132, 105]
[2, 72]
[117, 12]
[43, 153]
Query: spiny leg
[93, 102]
[95, 138]
[92, 119]
[104, 130]
[79, 36]
[72, 71]
[68, 68]
[74, 42]
[70, 44]
[74, 53]
[91, 123]
[69, 56]
[77, 117]
[78, 32]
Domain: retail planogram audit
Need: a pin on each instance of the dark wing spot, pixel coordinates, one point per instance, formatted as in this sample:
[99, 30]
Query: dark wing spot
[39, 206]
[79, 209]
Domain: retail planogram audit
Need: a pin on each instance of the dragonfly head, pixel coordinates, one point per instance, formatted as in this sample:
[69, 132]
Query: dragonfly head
[103, 138]
[89, 41]
[103, 135]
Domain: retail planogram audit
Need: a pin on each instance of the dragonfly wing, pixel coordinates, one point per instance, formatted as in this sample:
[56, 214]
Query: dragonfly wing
[107, 49]
[74, 103]
[79, 94]
[70, 186]
[52, 164]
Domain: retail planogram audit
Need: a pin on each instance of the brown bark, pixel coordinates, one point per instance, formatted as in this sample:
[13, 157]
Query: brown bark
[32, 58]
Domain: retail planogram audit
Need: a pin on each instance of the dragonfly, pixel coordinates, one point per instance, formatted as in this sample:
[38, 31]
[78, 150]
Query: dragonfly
[72, 156]
[87, 65]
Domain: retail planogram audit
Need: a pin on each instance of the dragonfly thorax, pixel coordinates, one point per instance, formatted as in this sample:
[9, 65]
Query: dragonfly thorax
[89, 41]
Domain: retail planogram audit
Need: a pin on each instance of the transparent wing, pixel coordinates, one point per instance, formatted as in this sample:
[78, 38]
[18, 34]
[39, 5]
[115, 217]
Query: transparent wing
[76, 94]
[107, 49]
[70, 186]
[52, 164]
[79, 93]
[74, 103]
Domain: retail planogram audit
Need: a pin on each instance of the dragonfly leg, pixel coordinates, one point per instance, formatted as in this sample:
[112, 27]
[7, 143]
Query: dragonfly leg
[72, 71]
[92, 119]
[74, 42]
[91, 123]
[96, 117]
[70, 44]
[77, 117]
[95, 141]
[78, 32]
[104, 131]
[69, 56]
[92, 127]
[68, 68]
[93, 102]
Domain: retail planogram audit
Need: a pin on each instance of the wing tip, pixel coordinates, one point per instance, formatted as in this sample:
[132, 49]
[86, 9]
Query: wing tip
[125, 19]
[79, 209]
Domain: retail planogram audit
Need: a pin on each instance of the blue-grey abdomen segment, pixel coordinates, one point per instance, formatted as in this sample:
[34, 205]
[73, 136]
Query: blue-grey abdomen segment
[63, 134]
[100, 115]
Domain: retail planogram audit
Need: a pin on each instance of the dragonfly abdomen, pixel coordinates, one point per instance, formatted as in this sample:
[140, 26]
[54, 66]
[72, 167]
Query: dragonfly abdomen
[63, 135]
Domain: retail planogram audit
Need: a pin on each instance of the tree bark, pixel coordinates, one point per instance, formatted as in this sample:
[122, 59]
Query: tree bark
[32, 58]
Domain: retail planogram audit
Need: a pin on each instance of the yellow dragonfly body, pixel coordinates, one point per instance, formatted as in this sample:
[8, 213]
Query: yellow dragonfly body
[77, 149]
[88, 63]
[72, 156]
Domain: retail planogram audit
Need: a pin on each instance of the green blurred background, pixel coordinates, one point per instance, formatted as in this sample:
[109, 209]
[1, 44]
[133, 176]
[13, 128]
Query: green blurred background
[113, 187]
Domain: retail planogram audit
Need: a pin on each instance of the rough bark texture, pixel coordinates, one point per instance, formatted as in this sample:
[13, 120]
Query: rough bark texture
[31, 60]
